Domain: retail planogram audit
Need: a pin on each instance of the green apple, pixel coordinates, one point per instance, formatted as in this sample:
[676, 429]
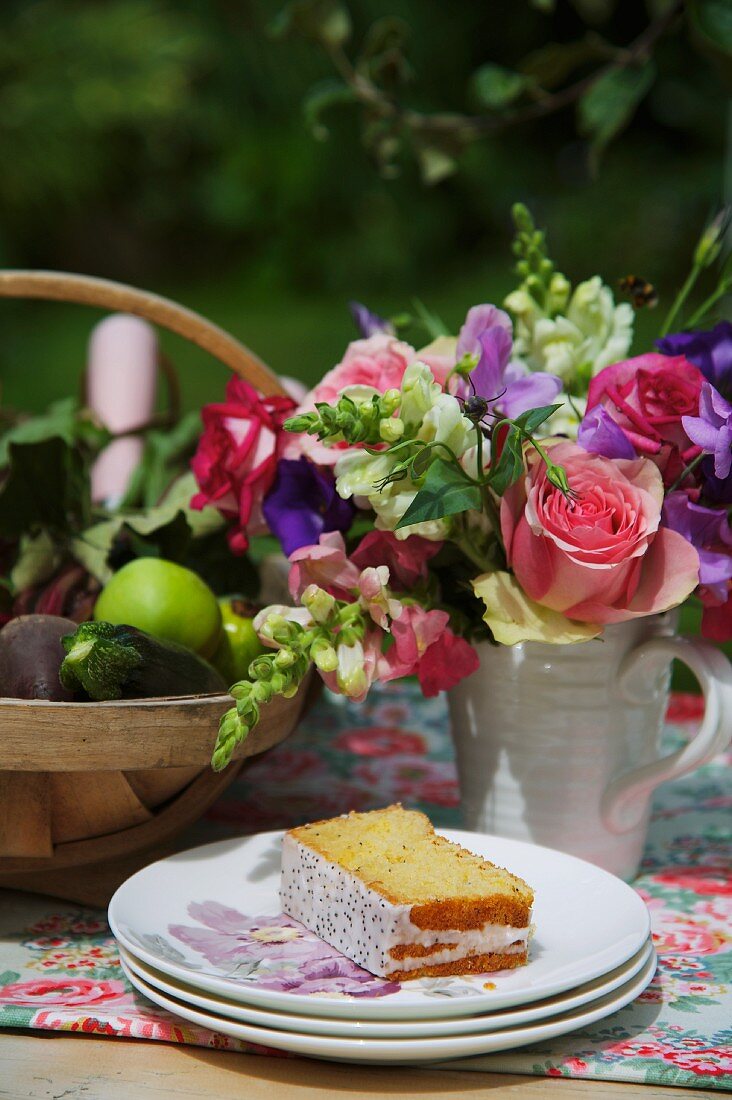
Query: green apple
[239, 644]
[165, 599]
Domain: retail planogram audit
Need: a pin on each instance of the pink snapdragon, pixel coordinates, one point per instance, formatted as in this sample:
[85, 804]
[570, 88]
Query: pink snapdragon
[374, 595]
[357, 669]
[325, 564]
[407, 559]
[425, 646]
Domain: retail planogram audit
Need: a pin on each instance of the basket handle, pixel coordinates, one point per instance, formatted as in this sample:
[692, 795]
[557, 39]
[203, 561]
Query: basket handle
[62, 286]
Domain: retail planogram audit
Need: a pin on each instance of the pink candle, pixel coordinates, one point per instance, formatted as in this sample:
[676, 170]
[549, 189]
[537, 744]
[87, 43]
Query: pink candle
[120, 388]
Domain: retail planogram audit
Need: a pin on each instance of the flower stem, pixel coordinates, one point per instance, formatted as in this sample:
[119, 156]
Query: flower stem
[680, 298]
[686, 471]
[723, 287]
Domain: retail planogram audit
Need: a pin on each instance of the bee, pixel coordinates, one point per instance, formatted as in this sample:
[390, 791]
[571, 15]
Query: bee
[641, 292]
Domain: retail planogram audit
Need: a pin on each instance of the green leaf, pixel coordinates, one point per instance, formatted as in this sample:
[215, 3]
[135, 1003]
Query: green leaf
[171, 540]
[46, 486]
[320, 98]
[552, 64]
[422, 461]
[324, 21]
[9, 977]
[446, 491]
[595, 11]
[435, 164]
[532, 419]
[610, 103]
[434, 325]
[164, 453]
[496, 87]
[63, 419]
[38, 558]
[711, 24]
[92, 547]
[510, 464]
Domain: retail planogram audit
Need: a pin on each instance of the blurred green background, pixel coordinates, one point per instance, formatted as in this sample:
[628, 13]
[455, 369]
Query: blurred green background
[164, 144]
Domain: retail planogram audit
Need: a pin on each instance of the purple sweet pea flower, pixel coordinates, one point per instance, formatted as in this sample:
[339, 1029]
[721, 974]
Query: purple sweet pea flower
[367, 322]
[303, 504]
[600, 435]
[707, 529]
[712, 429]
[710, 351]
[509, 387]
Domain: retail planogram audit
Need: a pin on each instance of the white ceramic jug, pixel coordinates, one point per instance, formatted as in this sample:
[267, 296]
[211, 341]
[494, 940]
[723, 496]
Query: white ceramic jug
[560, 745]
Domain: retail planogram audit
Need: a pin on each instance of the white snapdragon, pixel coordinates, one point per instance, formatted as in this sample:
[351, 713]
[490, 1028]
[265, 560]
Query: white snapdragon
[429, 415]
[586, 334]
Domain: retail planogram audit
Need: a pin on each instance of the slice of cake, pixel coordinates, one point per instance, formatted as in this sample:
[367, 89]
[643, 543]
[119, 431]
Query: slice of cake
[401, 901]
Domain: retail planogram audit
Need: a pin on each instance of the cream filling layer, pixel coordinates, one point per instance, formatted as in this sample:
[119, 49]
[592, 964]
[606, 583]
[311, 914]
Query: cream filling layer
[349, 915]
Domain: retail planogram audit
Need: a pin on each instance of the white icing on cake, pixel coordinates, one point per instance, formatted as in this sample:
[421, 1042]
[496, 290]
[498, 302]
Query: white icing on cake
[346, 913]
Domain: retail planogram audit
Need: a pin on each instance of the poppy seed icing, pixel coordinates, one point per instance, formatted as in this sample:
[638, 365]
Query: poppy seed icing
[401, 901]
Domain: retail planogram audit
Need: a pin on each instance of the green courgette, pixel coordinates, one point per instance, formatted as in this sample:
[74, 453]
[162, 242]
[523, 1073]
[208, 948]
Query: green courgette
[121, 662]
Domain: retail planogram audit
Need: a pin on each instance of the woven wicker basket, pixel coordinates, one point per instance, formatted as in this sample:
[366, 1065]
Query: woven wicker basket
[91, 791]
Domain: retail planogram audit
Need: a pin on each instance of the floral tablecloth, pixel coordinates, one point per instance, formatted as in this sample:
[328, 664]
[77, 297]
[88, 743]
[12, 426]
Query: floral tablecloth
[59, 968]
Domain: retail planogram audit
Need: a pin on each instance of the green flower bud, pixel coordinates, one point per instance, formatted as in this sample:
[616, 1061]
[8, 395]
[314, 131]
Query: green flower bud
[301, 423]
[349, 613]
[262, 692]
[261, 667]
[390, 402]
[557, 476]
[324, 656]
[248, 713]
[285, 633]
[712, 239]
[466, 365]
[285, 658]
[319, 603]
[279, 682]
[391, 429]
[241, 690]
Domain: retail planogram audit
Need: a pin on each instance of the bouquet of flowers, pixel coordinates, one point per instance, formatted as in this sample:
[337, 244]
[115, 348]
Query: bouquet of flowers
[522, 481]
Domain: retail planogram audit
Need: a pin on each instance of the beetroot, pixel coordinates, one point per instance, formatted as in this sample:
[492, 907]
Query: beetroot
[30, 657]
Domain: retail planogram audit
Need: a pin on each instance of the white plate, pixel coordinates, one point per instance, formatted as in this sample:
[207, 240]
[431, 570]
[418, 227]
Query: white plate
[211, 917]
[392, 1029]
[405, 1050]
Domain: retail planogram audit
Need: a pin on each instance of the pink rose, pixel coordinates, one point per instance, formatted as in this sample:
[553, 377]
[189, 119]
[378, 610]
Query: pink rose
[647, 397]
[63, 991]
[236, 459]
[380, 362]
[600, 556]
[425, 647]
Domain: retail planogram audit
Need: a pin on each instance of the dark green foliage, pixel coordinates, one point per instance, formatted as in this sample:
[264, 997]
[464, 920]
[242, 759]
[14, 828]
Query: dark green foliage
[45, 485]
[446, 492]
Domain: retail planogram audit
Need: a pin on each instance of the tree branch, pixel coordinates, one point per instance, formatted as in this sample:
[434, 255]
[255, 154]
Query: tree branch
[470, 127]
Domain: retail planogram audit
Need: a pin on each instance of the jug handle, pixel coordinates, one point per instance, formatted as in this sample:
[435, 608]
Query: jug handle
[624, 799]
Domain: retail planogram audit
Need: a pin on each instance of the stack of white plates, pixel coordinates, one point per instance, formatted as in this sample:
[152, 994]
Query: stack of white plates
[202, 935]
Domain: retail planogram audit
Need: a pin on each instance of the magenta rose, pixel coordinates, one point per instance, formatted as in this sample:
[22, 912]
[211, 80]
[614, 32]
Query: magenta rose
[600, 556]
[647, 397]
[236, 460]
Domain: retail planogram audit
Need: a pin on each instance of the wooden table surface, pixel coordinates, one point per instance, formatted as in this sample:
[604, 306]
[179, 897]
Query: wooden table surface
[57, 1066]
